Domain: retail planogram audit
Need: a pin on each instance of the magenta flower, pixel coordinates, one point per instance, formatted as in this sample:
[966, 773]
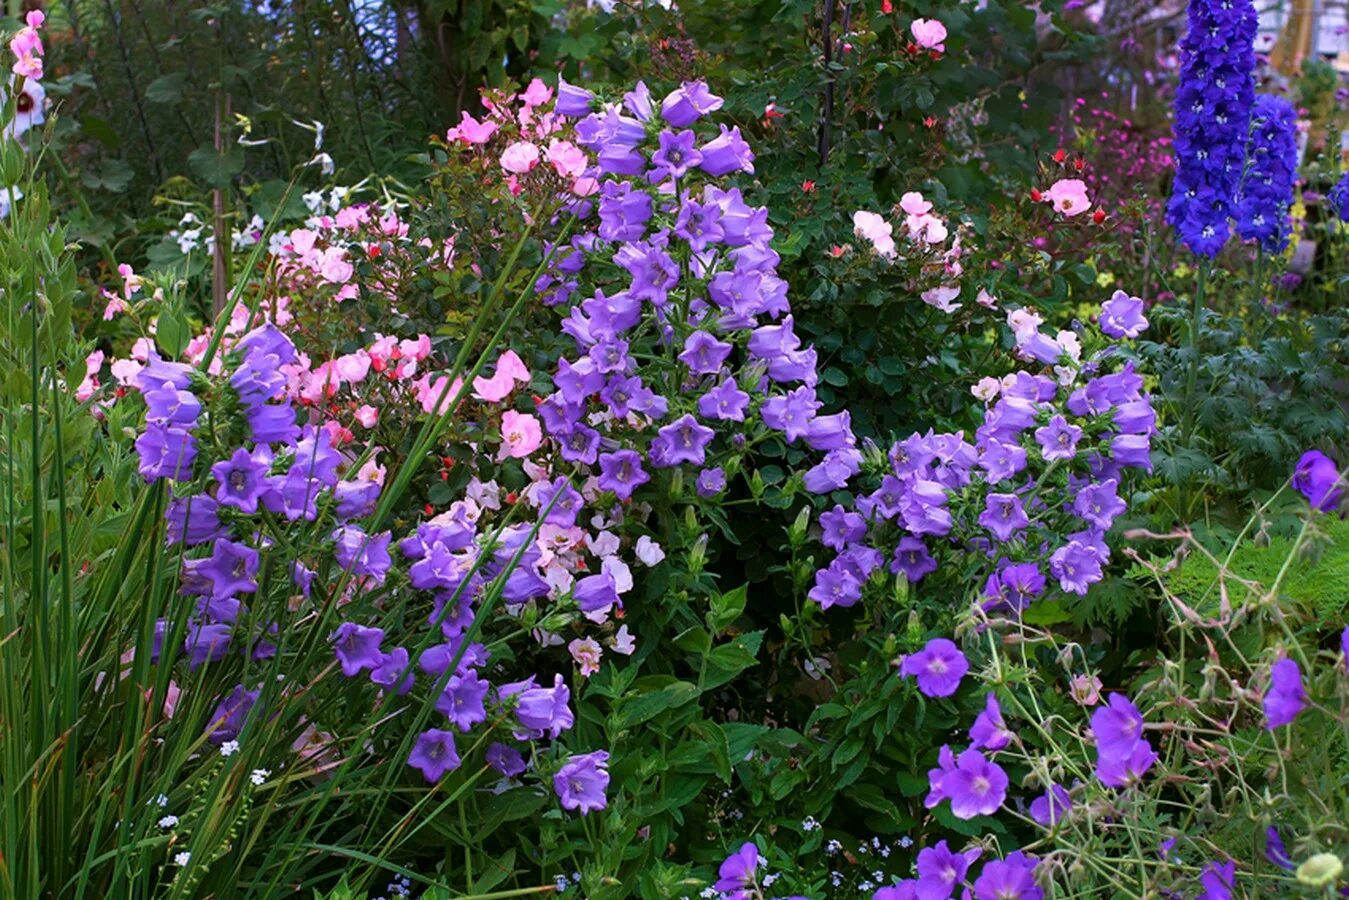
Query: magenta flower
[1285, 697]
[939, 666]
[434, 754]
[581, 782]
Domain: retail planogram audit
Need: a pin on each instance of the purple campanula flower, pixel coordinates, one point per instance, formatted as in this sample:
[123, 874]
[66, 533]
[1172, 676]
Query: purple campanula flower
[1003, 515]
[1285, 697]
[618, 394]
[622, 473]
[638, 101]
[357, 648]
[158, 372]
[744, 225]
[573, 101]
[231, 569]
[1135, 417]
[725, 401]
[1099, 504]
[228, 718]
[269, 340]
[624, 212]
[242, 479]
[272, 423]
[841, 527]
[1339, 198]
[258, 379]
[682, 441]
[1218, 880]
[1050, 807]
[394, 671]
[595, 592]
[168, 406]
[355, 499]
[315, 457]
[688, 103]
[193, 520]
[703, 353]
[939, 667]
[835, 586]
[1316, 478]
[360, 553]
[911, 558]
[1076, 566]
[791, 414]
[832, 472]
[1132, 450]
[653, 270]
[831, 432]
[620, 159]
[1040, 347]
[581, 782]
[677, 153]
[726, 153]
[710, 482]
[699, 224]
[505, 759]
[434, 754]
[940, 870]
[1000, 460]
[545, 710]
[462, 700]
[166, 452]
[1058, 439]
[1011, 878]
[736, 874]
[562, 502]
[989, 731]
[976, 786]
[610, 355]
[1122, 316]
[206, 643]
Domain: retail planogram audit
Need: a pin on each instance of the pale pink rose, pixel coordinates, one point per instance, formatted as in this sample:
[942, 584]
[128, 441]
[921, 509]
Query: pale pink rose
[124, 371]
[520, 435]
[584, 187]
[418, 349]
[929, 34]
[927, 228]
[1085, 689]
[986, 300]
[875, 229]
[587, 654]
[368, 416]
[429, 392]
[353, 367]
[115, 305]
[520, 157]
[537, 93]
[987, 388]
[334, 267]
[914, 204]
[302, 240]
[510, 371]
[1069, 196]
[566, 158]
[943, 298]
[471, 131]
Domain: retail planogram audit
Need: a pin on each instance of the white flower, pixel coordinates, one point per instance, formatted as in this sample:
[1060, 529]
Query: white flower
[182, 859]
[161, 801]
[810, 824]
[229, 748]
[258, 776]
[987, 388]
[168, 822]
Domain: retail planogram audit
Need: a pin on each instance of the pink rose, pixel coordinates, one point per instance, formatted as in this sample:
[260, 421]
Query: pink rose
[520, 435]
[929, 34]
[1069, 196]
[520, 157]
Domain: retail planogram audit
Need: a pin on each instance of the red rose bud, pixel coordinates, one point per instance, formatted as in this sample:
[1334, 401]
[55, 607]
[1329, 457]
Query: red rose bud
[1035, 195]
[1098, 216]
[1078, 164]
[807, 186]
[887, 7]
[1060, 155]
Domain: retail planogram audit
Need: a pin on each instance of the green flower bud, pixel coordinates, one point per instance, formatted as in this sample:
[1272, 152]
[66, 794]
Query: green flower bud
[1322, 869]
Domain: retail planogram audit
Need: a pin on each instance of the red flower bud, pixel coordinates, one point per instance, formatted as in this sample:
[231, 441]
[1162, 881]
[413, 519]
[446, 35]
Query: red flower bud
[1098, 216]
[1035, 195]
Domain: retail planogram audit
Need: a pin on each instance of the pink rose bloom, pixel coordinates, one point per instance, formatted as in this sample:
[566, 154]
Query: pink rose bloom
[1069, 196]
[568, 159]
[510, 369]
[125, 371]
[929, 34]
[429, 391]
[353, 367]
[115, 305]
[302, 240]
[418, 349]
[913, 203]
[587, 655]
[520, 157]
[985, 299]
[926, 228]
[537, 93]
[873, 227]
[368, 416]
[584, 187]
[943, 298]
[471, 131]
[520, 435]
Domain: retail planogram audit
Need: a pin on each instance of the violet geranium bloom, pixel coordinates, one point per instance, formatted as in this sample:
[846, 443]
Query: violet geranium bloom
[989, 731]
[977, 786]
[941, 869]
[1005, 879]
[1050, 807]
[736, 873]
[1315, 478]
[1285, 697]
[939, 667]
[581, 782]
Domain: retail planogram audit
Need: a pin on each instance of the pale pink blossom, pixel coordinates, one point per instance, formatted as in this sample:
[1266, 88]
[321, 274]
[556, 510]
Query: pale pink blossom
[987, 388]
[873, 228]
[1024, 322]
[372, 471]
[587, 654]
[27, 48]
[367, 415]
[131, 282]
[986, 300]
[648, 552]
[353, 367]
[927, 228]
[510, 370]
[929, 34]
[520, 434]
[913, 204]
[415, 349]
[520, 157]
[124, 371]
[623, 642]
[1069, 196]
[943, 298]
[1085, 689]
[566, 158]
[436, 394]
[537, 93]
[471, 131]
[114, 306]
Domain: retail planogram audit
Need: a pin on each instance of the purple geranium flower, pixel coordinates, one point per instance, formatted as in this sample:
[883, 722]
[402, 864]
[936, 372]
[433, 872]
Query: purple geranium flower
[939, 667]
[1012, 878]
[1117, 726]
[581, 782]
[989, 731]
[976, 786]
[1285, 697]
[434, 754]
[1124, 769]
[1218, 880]
[1050, 807]
[940, 869]
[1316, 478]
[736, 872]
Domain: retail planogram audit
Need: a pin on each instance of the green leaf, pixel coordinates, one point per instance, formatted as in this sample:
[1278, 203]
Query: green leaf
[645, 707]
[166, 88]
[216, 168]
[172, 333]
